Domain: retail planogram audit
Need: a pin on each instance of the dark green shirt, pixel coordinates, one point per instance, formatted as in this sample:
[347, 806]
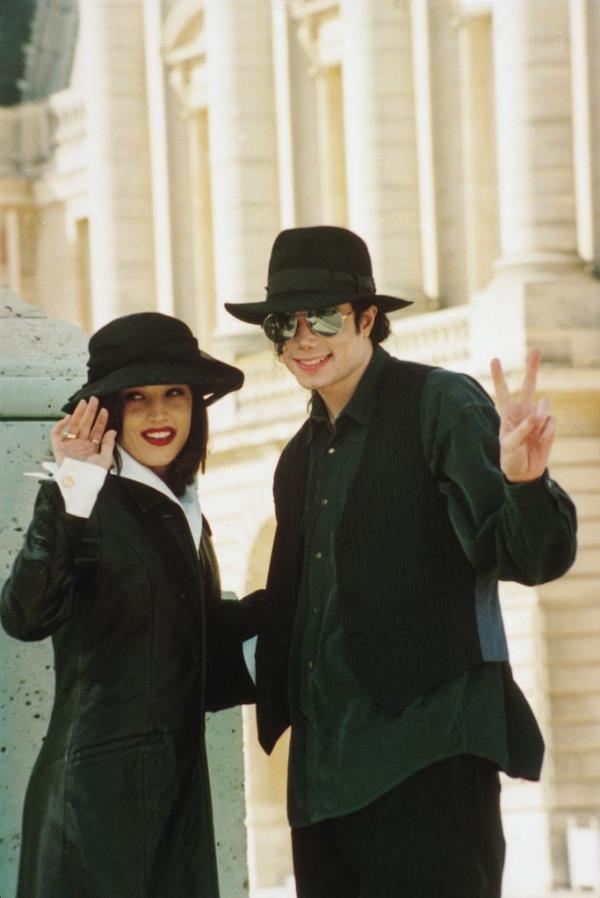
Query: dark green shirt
[345, 749]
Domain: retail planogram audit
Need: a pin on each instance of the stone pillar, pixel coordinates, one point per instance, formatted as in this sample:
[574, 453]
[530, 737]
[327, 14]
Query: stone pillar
[43, 362]
[242, 155]
[534, 135]
[158, 125]
[540, 295]
[379, 120]
[593, 41]
[201, 226]
[438, 55]
[331, 172]
[420, 14]
[582, 53]
[120, 190]
[303, 67]
[17, 214]
[479, 151]
[282, 38]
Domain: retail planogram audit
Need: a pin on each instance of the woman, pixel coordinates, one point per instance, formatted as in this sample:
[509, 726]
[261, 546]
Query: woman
[119, 570]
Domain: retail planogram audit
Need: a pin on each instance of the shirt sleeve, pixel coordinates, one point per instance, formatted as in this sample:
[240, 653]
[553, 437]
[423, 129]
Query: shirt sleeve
[79, 483]
[36, 599]
[524, 531]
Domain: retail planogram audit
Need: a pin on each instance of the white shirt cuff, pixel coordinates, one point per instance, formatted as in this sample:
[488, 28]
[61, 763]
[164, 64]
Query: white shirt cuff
[79, 483]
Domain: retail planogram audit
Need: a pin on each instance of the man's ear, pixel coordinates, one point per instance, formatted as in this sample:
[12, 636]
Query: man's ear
[367, 320]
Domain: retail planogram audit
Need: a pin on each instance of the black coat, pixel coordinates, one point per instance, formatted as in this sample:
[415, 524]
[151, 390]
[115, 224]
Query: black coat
[118, 805]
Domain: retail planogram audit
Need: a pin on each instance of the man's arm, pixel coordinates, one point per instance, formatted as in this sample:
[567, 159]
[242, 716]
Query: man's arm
[522, 531]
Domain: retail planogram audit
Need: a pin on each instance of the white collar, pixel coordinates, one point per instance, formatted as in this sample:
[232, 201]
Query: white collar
[189, 502]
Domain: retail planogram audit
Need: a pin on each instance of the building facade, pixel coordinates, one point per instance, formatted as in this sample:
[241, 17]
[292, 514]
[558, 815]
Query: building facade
[461, 139]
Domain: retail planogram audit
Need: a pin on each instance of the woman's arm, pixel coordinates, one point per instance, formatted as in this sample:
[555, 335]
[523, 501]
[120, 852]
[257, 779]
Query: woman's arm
[36, 598]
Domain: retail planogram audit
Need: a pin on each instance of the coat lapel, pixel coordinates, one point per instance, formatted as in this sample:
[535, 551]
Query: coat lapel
[166, 524]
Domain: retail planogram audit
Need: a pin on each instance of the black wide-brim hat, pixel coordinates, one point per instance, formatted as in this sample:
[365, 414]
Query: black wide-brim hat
[316, 267]
[149, 348]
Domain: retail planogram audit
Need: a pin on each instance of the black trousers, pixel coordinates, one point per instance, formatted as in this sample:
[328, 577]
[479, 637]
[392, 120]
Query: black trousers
[436, 835]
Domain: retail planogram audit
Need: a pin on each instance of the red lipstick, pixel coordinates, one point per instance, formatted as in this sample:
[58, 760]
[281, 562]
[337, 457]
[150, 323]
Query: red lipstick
[159, 436]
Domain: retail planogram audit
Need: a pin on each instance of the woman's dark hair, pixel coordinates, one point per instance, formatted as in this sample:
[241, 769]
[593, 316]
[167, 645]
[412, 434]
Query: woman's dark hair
[381, 326]
[191, 458]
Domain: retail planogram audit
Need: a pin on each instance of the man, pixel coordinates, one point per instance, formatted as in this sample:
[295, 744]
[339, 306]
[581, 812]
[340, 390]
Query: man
[398, 509]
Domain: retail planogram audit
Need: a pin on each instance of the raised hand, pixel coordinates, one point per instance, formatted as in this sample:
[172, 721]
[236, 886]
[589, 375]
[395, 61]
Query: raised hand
[82, 435]
[526, 428]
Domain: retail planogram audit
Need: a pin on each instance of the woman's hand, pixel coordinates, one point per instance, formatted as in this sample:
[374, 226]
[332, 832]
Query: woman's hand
[82, 435]
[526, 429]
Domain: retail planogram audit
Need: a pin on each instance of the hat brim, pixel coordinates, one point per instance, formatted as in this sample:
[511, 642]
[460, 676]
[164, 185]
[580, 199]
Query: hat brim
[215, 379]
[256, 312]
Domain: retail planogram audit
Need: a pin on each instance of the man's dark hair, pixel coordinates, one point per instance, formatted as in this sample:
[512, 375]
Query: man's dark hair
[381, 326]
[191, 458]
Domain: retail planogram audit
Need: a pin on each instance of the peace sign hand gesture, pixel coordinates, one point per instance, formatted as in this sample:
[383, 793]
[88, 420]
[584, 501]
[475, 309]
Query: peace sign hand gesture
[82, 435]
[526, 429]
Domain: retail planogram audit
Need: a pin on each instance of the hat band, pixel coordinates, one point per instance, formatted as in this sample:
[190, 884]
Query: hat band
[183, 350]
[318, 280]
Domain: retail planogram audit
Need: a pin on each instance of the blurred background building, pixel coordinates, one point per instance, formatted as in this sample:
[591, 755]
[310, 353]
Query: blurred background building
[150, 150]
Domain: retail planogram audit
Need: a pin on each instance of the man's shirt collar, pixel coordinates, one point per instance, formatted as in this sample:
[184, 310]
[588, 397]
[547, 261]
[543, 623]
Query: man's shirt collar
[360, 406]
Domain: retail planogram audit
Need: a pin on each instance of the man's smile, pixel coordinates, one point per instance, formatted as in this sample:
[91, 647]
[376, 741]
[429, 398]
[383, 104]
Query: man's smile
[313, 364]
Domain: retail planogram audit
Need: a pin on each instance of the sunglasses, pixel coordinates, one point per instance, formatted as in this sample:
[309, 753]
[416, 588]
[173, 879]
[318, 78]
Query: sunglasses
[282, 326]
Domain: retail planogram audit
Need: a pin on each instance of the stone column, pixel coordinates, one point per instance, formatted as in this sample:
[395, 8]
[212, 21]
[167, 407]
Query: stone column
[534, 135]
[17, 213]
[381, 155]
[158, 140]
[203, 258]
[43, 362]
[120, 190]
[282, 38]
[540, 295]
[242, 155]
[479, 151]
[593, 39]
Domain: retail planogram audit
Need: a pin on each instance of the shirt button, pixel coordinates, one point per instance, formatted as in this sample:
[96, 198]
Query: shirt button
[331, 450]
[324, 501]
[318, 555]
[67, 481]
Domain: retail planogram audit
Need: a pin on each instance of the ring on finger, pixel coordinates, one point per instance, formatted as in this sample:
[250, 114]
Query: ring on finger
[67, 435]
[95, 441]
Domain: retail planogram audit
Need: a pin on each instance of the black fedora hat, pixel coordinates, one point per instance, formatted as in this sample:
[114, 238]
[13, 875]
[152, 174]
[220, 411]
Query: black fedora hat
[149, 348]
[311, 268]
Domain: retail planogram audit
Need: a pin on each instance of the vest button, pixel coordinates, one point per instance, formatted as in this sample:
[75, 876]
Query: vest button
[331, 450]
